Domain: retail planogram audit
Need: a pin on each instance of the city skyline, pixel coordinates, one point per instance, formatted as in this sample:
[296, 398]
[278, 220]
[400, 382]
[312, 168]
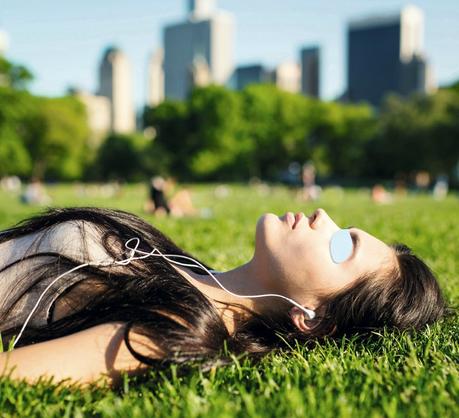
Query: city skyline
[198, 49]
[256, 42]
[387, 55]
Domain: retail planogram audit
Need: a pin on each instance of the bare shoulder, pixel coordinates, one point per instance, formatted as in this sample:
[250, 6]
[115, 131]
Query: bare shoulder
[83, 357]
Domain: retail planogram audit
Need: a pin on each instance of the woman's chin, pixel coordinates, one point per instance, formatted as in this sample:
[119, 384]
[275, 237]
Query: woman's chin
[269, 217]
[265, 221]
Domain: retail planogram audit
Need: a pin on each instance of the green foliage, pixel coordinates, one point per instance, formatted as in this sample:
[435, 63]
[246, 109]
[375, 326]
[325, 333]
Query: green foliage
[218, 134]
[418, 134]
[279, 124]
[41, 137]
[343, 135]
[454, 87]
[216, 141]
[121, 156]
[14, 76]
[56, 137]
[14, 156]
[396, 375]
[170, 148]
[202, 138]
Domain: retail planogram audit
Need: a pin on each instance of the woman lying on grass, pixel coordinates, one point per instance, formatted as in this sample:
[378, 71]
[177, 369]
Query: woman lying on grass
[124, 307]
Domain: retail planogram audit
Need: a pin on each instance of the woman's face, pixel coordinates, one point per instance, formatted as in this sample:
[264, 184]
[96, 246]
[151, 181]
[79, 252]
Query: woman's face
[294, 253]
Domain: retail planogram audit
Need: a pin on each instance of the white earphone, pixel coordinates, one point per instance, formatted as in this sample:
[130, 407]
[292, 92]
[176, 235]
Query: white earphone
[154, 253]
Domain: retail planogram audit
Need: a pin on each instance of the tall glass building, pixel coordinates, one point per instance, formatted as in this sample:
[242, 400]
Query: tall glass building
[310, 71]
[250, 74]
[385, 54]
[204, 39]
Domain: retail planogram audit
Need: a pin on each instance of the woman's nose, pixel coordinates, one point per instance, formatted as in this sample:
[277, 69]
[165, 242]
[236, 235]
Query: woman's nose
[322, 218]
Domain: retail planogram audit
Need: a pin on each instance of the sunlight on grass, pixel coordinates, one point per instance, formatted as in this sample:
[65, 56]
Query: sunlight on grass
[393, 375]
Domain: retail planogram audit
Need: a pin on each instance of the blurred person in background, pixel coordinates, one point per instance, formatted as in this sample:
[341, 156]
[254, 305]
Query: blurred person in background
[310, 191]
[35, 194]
[179, 205]
[440, 189]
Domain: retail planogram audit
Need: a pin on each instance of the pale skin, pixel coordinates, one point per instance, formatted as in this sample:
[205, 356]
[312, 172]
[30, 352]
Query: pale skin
[291, 258]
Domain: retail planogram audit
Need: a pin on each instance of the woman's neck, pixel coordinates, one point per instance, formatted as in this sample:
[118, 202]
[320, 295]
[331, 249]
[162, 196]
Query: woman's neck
[242, 280]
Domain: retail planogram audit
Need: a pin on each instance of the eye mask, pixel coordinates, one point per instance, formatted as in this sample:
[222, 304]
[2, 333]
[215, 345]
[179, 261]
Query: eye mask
[341, 246]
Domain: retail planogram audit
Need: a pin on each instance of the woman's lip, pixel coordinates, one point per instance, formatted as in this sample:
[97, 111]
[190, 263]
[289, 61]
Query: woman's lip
[313, 217]
[298, 217]
[290, 219]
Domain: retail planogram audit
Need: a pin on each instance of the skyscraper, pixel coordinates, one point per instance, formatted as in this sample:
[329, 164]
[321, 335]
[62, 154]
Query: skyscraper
[250, 74]
[201, 9]
[115, 82]
[199, 73]
[385, 54]
[310, 71]
[205, 39]
[287, 77]
[4, 41]
[98, 111]
[155, 82]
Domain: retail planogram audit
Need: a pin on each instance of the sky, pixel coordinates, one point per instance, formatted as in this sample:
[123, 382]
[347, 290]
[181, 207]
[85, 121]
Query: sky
[62, 42]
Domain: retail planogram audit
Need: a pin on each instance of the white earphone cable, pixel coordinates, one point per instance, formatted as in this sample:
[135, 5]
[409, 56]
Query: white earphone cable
[156, 253]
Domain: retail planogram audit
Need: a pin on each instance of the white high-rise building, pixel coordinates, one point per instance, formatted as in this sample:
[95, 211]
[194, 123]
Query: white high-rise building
[201, 9]
[431, 84]
[206, 37]
[98, 111]
[4, 42]
[199, 73]
[115, 82]
[155, 82]
[4, 80]
[287, 76]
[411, 33]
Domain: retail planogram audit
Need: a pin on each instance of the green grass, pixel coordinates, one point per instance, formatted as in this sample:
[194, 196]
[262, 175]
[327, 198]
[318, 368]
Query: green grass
[393, 375]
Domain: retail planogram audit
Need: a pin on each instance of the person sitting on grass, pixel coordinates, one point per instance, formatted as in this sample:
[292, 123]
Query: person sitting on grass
[88, 294]
[180, 204]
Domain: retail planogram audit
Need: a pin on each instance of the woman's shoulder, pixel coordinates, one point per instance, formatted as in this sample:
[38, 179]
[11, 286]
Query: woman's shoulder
[71, 238]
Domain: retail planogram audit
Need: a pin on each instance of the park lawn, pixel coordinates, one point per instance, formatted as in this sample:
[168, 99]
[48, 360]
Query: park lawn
[393, 375]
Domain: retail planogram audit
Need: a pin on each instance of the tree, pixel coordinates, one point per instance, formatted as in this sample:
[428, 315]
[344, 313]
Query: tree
[57, 137]
[121, 157]
[43, 137]
[13, 75]
[14, 156]
[217, 143]
[279, 125]
[202, 138]
[168, 152]
[419, 133]
[342, 135]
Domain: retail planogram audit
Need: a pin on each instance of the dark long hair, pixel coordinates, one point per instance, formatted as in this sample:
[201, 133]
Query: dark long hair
[154, 300]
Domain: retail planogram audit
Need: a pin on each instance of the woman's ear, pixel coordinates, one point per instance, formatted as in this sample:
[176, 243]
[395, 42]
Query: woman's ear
[300, 320]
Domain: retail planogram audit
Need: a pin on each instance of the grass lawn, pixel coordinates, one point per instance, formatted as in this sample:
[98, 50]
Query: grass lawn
[393, 376]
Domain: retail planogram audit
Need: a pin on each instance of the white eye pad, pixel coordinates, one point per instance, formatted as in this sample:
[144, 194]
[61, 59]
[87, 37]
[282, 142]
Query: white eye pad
[341, 246]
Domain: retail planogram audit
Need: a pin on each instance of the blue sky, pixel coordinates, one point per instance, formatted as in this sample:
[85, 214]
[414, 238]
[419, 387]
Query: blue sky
[62, 41]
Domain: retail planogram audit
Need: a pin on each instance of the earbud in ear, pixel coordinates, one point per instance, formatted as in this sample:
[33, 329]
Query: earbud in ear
[301, 318]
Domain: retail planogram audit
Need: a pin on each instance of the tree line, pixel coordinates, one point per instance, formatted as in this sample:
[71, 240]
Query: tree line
[39, 136]
[220, 134]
